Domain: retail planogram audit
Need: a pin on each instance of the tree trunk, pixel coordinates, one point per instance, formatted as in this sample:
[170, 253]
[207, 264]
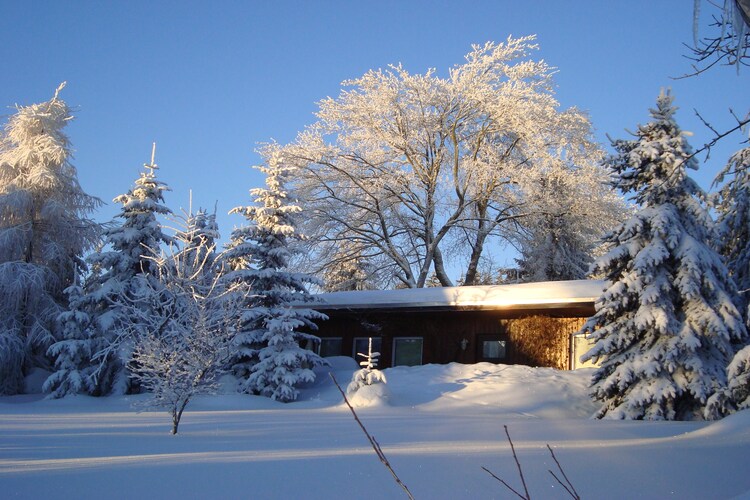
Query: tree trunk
[439, 265]
[476, 252]
[177, 414]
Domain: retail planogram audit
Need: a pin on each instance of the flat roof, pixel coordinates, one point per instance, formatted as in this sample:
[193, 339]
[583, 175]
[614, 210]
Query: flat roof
[541, 295]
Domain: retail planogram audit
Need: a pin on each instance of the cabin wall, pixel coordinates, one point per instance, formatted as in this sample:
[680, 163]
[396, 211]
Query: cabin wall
[455, 336]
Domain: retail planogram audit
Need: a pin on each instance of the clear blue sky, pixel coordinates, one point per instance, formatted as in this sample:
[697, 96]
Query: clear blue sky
[208, 81]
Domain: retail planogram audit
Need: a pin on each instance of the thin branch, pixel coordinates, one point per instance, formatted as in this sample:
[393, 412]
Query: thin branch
[504, 483]
[520, 471]
[712, 142]
[373, 442]
[518, 464]
[569, 488]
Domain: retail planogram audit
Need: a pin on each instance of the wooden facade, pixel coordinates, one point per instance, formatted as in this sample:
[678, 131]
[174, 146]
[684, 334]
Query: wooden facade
[524, 331]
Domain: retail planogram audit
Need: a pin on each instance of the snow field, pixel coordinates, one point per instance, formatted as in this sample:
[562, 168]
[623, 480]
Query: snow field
[441, 424]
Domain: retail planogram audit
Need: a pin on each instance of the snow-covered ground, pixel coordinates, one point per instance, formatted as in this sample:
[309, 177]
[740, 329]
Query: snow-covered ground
[441, 424]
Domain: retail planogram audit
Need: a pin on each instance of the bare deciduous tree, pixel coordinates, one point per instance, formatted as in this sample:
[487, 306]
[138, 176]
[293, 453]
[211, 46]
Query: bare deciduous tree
[417, 171]
[728, 41]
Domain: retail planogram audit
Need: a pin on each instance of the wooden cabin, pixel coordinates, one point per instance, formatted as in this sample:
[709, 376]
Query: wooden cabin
[531, 323]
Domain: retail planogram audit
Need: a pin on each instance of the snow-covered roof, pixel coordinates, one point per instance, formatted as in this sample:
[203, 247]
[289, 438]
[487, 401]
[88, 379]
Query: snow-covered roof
[522, 295]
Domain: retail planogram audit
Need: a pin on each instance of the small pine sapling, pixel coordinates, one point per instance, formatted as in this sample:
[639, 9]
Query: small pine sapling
[368, 375]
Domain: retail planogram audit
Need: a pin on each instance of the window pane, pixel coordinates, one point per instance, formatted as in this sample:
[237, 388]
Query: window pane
[493, 349]
[407, 352]
[330, 347]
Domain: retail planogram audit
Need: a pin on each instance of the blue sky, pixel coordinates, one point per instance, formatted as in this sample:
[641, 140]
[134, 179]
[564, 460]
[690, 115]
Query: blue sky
[208, 81]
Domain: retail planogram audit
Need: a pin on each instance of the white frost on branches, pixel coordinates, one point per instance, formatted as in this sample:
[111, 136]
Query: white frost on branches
[412, 170]
[185, 325]
[45, 230]
[574, 208]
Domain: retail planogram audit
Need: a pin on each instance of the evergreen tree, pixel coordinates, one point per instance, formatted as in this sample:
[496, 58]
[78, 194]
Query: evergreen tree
[348, 269]
[128, 254]
[369, 374]
[44, 231]
[666, 322]
[733, 205]
[271, 358]
[74, 372]
[198, 240]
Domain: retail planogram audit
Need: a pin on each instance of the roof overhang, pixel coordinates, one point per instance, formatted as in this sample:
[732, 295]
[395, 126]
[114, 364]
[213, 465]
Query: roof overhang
[552, 295]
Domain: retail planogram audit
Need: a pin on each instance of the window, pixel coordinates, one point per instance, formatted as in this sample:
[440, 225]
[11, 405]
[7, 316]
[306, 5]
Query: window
[329, 346]
[493, 349]
[407, 351]
[360, 345]
[580, 346]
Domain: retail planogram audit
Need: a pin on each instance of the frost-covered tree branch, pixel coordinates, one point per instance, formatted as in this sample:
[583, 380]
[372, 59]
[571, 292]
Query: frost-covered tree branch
[185, 325]
[45, 229]
[405, 165]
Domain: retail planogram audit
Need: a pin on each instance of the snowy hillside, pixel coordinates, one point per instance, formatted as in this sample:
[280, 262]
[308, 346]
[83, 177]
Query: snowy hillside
[440, 425]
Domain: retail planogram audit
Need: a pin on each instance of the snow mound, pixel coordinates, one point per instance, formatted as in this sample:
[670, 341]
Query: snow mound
[370, 395]
[508, 389]
[731, 427]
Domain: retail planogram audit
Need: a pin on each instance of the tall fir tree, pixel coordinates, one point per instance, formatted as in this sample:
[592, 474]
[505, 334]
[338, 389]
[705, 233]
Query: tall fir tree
[127, 254]
[732, 203]
[45, 230]
[666, 322]
[197, 240]
[271, 357]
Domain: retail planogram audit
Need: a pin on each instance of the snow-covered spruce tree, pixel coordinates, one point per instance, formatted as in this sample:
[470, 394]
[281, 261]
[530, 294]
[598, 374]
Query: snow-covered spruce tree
[666, 322]
[732, 203]
[271, 358]
[74, 371]
[186, 326]
[127, 254]
[349, 269]
[198, 241]
[44, 231]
